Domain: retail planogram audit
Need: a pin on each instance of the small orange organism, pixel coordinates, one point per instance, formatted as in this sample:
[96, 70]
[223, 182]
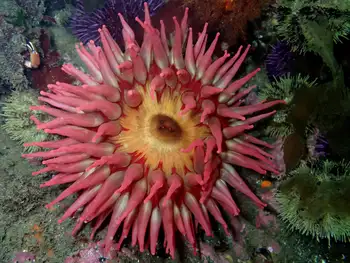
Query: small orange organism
[229, 5]
[50, 253]
[265, 184]
[34, 61]
[37, 233]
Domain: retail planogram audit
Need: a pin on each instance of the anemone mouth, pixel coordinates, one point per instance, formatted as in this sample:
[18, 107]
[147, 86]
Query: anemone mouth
[158, 133]
[165, 128]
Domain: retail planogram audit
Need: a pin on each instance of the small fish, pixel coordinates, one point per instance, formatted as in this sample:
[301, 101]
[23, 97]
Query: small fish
[34, 61]
[265, 184]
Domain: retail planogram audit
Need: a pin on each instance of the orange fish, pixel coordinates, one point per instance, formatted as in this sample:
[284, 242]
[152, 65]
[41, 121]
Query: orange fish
[265, 184]
[34, 61]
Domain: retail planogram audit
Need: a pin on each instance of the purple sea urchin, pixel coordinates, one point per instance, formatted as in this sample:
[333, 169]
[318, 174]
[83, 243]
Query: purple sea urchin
[85, 24]
[278, 61]
[317, 144]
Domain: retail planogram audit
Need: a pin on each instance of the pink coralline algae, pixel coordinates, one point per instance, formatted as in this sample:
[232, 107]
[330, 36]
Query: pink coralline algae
[265, 219]
[91, 254]
[278, 153]
[23, 257]
[208, 251]
[152, 136]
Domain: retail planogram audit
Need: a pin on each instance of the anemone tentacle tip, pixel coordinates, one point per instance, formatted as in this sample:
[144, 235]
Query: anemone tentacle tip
[126, 147]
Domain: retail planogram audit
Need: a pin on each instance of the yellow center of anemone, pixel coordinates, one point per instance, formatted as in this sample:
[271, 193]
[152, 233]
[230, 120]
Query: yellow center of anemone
[156, 132]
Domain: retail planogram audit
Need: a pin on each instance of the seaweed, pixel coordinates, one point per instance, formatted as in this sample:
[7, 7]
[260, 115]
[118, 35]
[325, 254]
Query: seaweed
[314, 26]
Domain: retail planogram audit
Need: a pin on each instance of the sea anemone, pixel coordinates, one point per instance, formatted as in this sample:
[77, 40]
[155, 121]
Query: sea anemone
[17, 121]
[85, 25]
[152, 135]
[315, 200]
[285, 89]
[280, 126]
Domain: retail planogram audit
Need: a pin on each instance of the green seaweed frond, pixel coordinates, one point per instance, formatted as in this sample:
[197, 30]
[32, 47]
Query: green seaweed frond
[332, 15]
[320, 40]
[313, 26]
[331, 5]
